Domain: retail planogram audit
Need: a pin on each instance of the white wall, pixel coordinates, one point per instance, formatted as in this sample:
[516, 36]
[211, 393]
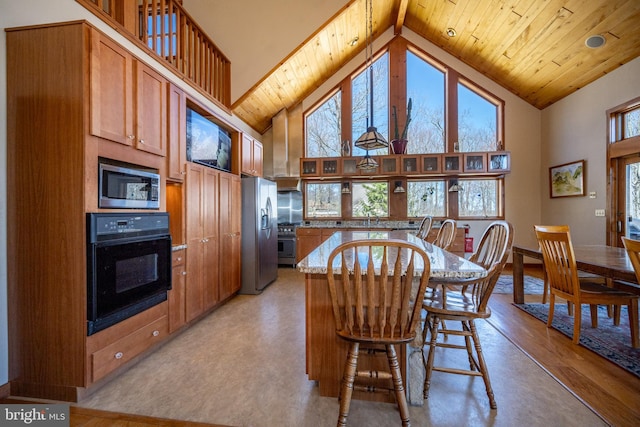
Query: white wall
[575, 128]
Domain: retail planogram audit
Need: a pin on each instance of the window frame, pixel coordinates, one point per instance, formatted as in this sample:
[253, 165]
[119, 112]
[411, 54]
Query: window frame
[397, 50]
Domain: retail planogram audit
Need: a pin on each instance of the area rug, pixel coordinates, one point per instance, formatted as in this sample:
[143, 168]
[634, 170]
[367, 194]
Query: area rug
[609, 341]
[532, 285]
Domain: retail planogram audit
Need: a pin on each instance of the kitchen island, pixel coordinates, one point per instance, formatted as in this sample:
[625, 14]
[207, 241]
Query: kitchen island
[326, 353]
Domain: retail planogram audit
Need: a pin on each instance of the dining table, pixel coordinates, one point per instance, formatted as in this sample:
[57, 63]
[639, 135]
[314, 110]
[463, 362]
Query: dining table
[326, 353]
[609, 262]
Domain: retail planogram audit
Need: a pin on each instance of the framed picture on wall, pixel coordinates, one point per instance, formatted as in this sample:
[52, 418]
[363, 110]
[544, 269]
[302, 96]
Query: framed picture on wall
[567, 180]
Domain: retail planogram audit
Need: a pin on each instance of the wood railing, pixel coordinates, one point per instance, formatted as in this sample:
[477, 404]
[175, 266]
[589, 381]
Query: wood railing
[166, 29]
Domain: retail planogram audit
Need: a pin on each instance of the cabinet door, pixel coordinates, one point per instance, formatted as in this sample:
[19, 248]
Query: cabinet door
[306, 241]
[177, 293]
[247, 155]
[111, 91]
[176, 133]
[151, 110]
[194, 291]
[229, 220]
[210, 236]
[257, 158]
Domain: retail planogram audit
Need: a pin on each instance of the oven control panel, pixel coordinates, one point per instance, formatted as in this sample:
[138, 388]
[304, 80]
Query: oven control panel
[107, 226]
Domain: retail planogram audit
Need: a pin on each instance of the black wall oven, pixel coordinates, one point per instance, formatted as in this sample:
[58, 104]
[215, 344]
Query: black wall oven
[128, 265]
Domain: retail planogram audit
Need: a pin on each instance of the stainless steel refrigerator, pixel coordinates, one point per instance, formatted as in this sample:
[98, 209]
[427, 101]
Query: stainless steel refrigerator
[259, 234]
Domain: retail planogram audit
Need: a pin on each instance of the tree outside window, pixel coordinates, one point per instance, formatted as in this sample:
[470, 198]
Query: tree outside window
[324, 129]
[478, 198]
[370, 199]
[426, 198]
[323, 200]
[477, 121]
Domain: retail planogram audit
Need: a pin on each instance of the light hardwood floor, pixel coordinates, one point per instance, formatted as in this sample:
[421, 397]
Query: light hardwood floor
[608, 389]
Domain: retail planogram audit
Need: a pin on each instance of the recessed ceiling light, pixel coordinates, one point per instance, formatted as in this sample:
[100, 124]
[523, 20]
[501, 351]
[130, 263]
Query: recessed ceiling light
[451, 32]
[354, 41]
[595, 41]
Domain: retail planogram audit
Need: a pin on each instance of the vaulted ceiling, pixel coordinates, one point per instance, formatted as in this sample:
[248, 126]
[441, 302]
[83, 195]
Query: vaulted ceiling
[534, 48]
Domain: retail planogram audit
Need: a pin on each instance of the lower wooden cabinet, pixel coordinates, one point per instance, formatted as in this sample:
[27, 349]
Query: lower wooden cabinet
[113, 347]
[177, 294]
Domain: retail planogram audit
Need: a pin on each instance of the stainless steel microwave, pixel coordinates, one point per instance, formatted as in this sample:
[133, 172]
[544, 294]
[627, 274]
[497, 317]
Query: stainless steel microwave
[128, 188]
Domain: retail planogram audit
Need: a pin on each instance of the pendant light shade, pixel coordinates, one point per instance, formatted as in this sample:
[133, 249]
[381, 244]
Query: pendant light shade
[371, 140]
[367, 163]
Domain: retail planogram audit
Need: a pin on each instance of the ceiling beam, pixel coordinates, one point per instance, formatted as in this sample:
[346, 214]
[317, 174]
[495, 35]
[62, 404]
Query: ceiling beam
[402, 13]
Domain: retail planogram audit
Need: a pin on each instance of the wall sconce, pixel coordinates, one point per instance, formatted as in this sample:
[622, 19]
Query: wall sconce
[346, 189]
[455, 188]
[399, 188]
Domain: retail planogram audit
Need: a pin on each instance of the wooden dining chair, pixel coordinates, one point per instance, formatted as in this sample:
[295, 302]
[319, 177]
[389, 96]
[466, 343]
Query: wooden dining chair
[446, 234]
[466, 306]
[562, 273]
[373, 294]
[425, 227]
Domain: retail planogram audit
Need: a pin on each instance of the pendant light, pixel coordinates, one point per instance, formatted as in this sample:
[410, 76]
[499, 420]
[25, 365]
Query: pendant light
[371, 139]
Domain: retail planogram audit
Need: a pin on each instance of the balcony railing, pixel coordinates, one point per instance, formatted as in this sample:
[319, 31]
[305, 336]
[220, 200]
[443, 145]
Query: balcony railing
[166, 29]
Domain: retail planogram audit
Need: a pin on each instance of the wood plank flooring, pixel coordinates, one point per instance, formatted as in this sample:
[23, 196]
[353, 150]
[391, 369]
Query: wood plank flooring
[608, 389]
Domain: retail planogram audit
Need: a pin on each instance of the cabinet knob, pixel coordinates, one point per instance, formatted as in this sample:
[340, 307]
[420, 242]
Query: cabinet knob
[131, 136]
[118, 355]
[141, 141]
[156, 333]
[184, 273]
[179, 258]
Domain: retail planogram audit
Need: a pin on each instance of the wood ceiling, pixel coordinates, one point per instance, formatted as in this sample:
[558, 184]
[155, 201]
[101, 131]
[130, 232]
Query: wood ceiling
[534, 48]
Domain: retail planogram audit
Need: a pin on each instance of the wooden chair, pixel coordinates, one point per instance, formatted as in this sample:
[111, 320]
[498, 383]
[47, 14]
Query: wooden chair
[446, 234]
[373, 293]
[467, 305]
[560, 266]
[425, 227]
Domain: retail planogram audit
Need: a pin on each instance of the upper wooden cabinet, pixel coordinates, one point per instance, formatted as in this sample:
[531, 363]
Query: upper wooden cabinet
[128, 99]
[176, 133]
[251, 156]
[111, 90]
[151, 110]
[481, 163]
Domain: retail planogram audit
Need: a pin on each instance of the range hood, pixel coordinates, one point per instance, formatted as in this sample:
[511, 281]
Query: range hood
[288, 184]
[287, 147]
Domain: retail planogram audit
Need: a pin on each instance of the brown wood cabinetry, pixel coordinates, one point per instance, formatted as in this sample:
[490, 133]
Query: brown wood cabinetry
[251, 156]
[176, 133]
[128, 99]
[202, 239]
[177, 294]
[230, 234]
[307, 239]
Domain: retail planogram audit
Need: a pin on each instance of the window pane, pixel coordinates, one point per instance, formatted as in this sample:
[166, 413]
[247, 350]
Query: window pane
[425, 87]
[360, 105]
[477, 122]
[426, 198]
[323, 129]
[478, 198]
[323, 200]
[370, 199]
[632, 123]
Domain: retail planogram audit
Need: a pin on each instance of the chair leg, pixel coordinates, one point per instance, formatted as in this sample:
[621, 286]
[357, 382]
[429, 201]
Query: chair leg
[482, 366]
[347, 383]
[633, 322]
[428, 364]
[593, 308]
[545, 289]
[616, 314]
[467, 341]
[398, 387]
[577, 321]
[552, 306]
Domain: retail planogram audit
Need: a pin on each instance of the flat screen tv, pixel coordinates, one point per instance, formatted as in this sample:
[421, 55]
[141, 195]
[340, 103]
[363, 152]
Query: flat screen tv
[207, 143]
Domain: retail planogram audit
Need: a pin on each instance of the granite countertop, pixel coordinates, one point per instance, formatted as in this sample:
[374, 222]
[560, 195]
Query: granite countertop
[444, 265]
[372, 224]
